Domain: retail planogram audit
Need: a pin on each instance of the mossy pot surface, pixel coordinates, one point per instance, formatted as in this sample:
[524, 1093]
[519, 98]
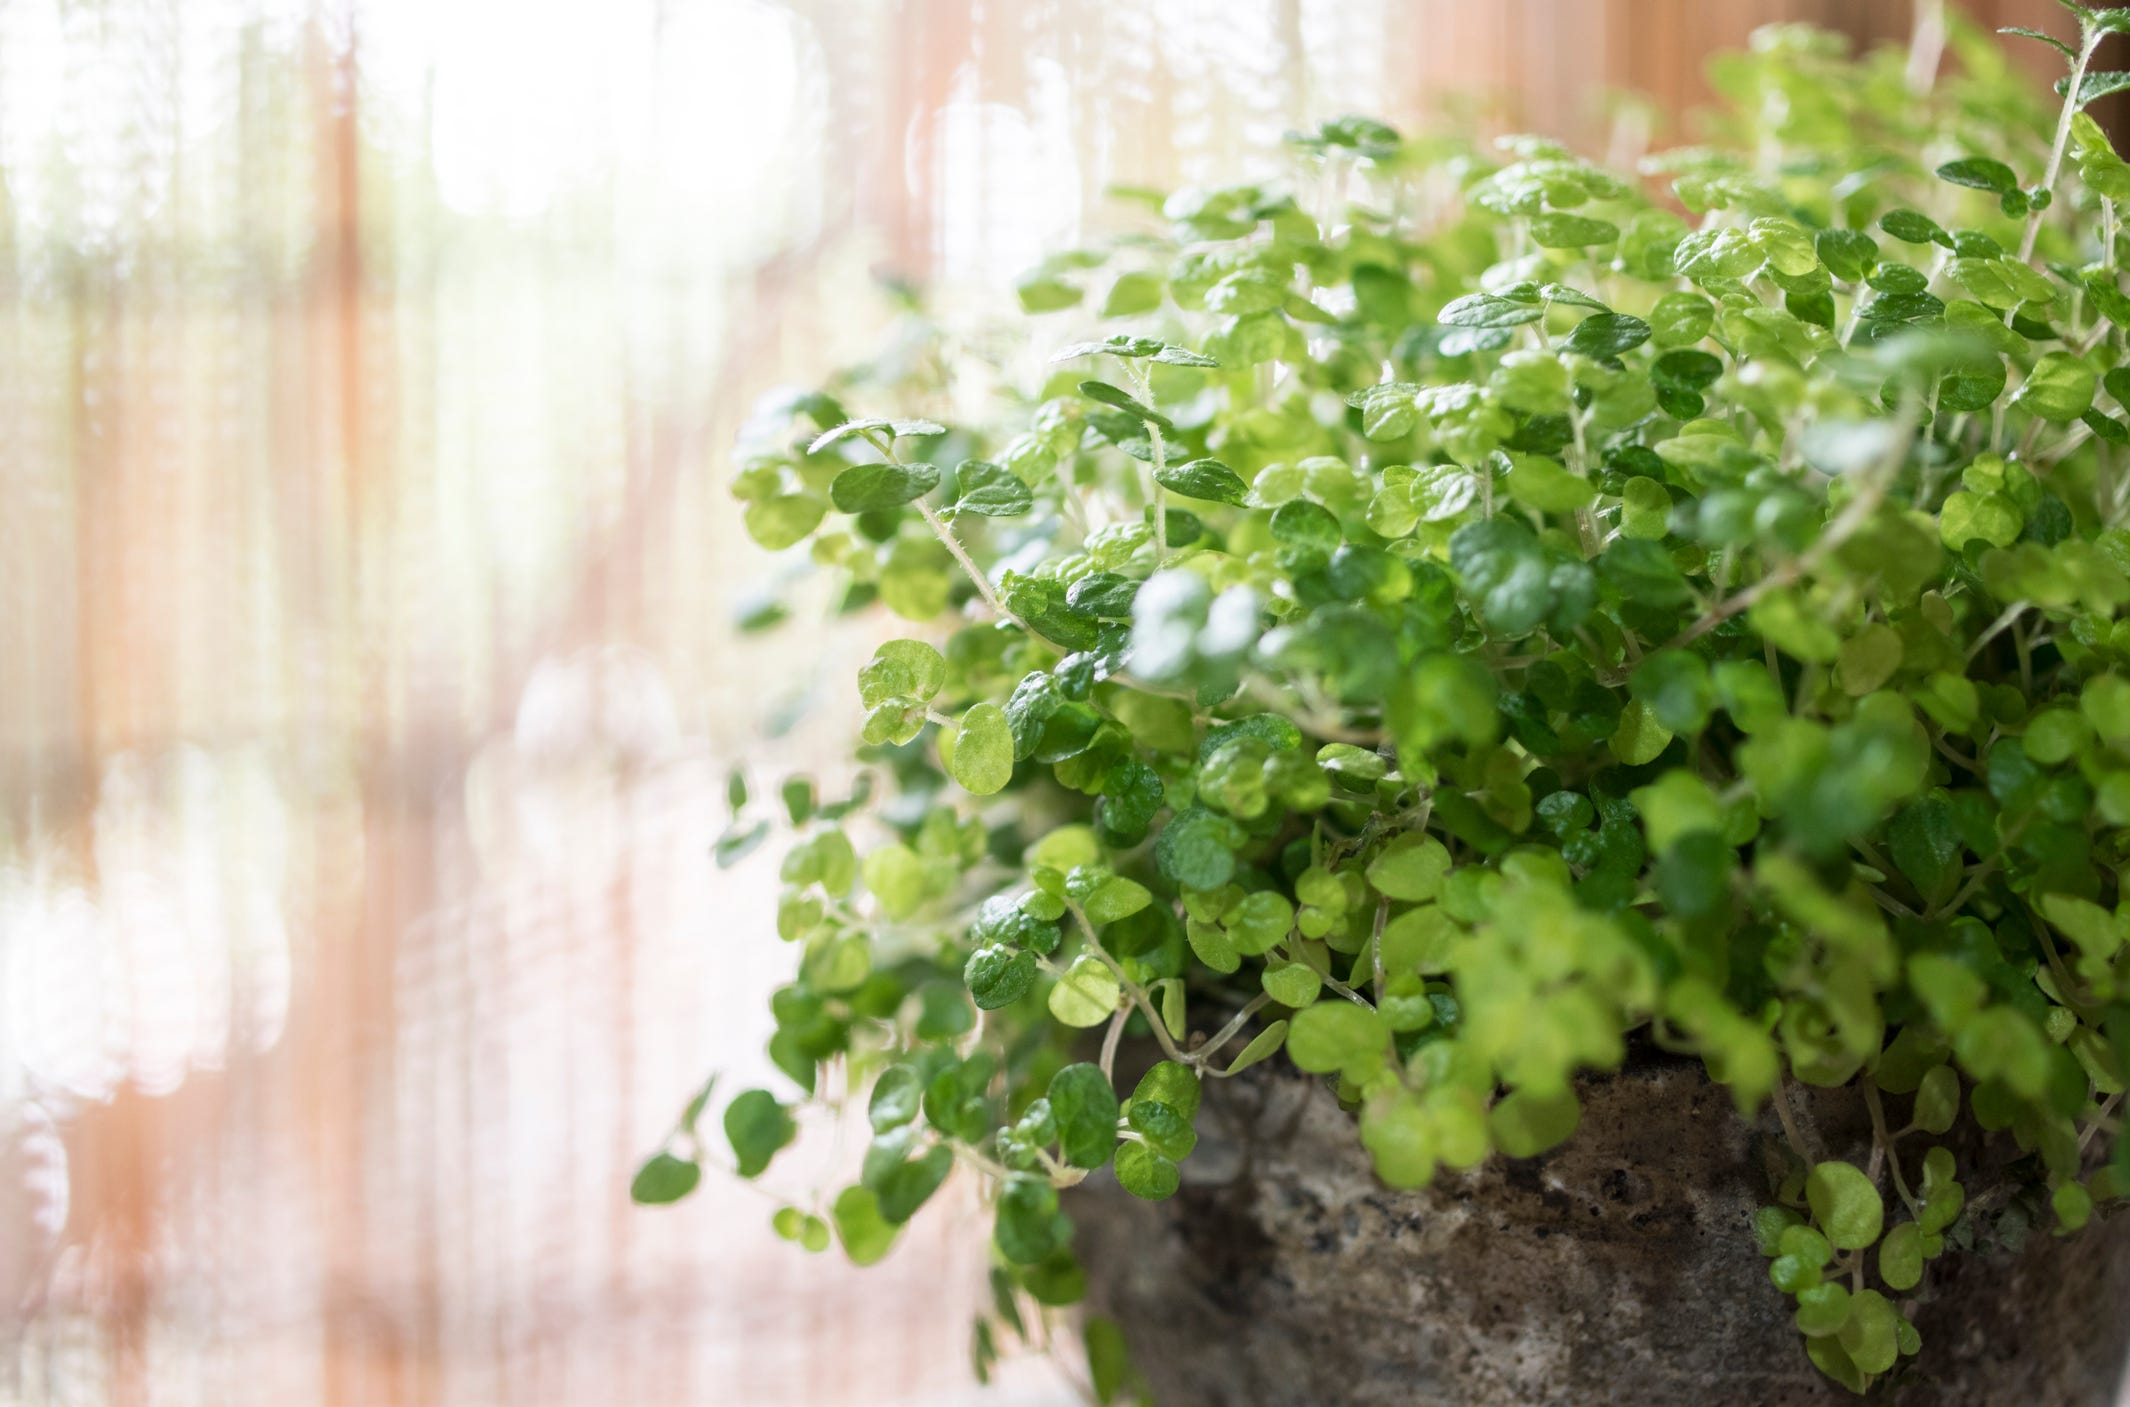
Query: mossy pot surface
[1618, 1268]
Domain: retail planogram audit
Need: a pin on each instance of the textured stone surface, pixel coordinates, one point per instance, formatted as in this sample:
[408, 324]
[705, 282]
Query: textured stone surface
[1619, 1268]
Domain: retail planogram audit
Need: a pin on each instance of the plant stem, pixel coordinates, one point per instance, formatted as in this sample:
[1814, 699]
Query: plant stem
[1788, 1116]
[1205, 1053]
[2063, 139]
[1347, 992]
[1132, 990]
[982, 583]
[1996, 627]
[1882, 1144]
[1110, 1040]
[1375, 945]
[2100, 1118]
[1161, 497]
[1144, 381]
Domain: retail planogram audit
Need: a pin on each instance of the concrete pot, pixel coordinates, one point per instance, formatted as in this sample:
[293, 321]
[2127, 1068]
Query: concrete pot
[1619, 1268]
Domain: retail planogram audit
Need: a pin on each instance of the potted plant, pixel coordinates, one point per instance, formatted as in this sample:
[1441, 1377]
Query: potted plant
[1511, 783]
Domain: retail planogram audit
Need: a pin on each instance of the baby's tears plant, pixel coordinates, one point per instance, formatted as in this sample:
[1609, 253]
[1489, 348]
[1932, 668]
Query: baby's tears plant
[1448, 618]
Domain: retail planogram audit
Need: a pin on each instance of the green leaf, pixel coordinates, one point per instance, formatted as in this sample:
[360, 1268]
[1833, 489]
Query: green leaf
[1640, 737]
[1172, 355]
[1987, 517]
[2085, 923]
[757, 1127]
[1337, 1036]
[1901, 1257]
[909, 1185]
[1645, 510]
[1554, 230]
[998, 976]
[868, 488]
[2073, 1206]
[1115, 899]
[784, 520]
[1485, 310]
[1040, 601]
[1505, 569]
[1848, 254]
[1119, 344]
[896, 429]
[1410, 868]
[1293, 984]
[1145, 1173]
[1195, 852]
[1685, 369]
[1301, 523]
[901, 669]
[1980, 173]
[897, 1096]
[1261, 1047]
[1681, 319]
[1174, 1085]
[2059, 388]
[1108, 1362]
[1913, 227]
[1086, 1108]
[1166, 1132]
[2049, 39]
[1710, 255]
[1133, 293]
[1544, 484]
[1828, 1355]
[1676, 686]
[899, 878]
[1607, 335]
[867, 1236]
[1401, 1139]
[664, 1178]
[1086, 994]
[2094, 86]
[1870, 1337]
[1030, 1228]
[1208, 479]
[1042, 294]
[1388, 412]
[1868, 660]
[1822, 1310]
[1526, 1123]
[990, 490]
[1937, 1101]
[1845, 1204]
[1109, 395]
[982, 759]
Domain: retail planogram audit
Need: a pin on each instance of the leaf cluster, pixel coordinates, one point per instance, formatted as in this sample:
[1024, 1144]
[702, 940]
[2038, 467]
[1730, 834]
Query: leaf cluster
[1443, 636]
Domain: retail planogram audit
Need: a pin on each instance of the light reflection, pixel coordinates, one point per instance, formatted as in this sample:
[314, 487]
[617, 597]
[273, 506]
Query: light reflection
[60, 978]
[1008, 178]
[176, 953]
[557, 791]
[34, 1194]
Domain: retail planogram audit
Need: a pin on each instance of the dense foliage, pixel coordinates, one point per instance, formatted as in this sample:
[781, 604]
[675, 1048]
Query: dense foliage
[1460, 614]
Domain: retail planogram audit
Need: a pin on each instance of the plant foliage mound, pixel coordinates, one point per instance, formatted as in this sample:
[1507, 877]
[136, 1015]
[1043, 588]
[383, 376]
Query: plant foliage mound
[1464, 611]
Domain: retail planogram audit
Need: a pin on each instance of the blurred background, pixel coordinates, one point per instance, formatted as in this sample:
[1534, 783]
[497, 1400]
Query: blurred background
[368, 370]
